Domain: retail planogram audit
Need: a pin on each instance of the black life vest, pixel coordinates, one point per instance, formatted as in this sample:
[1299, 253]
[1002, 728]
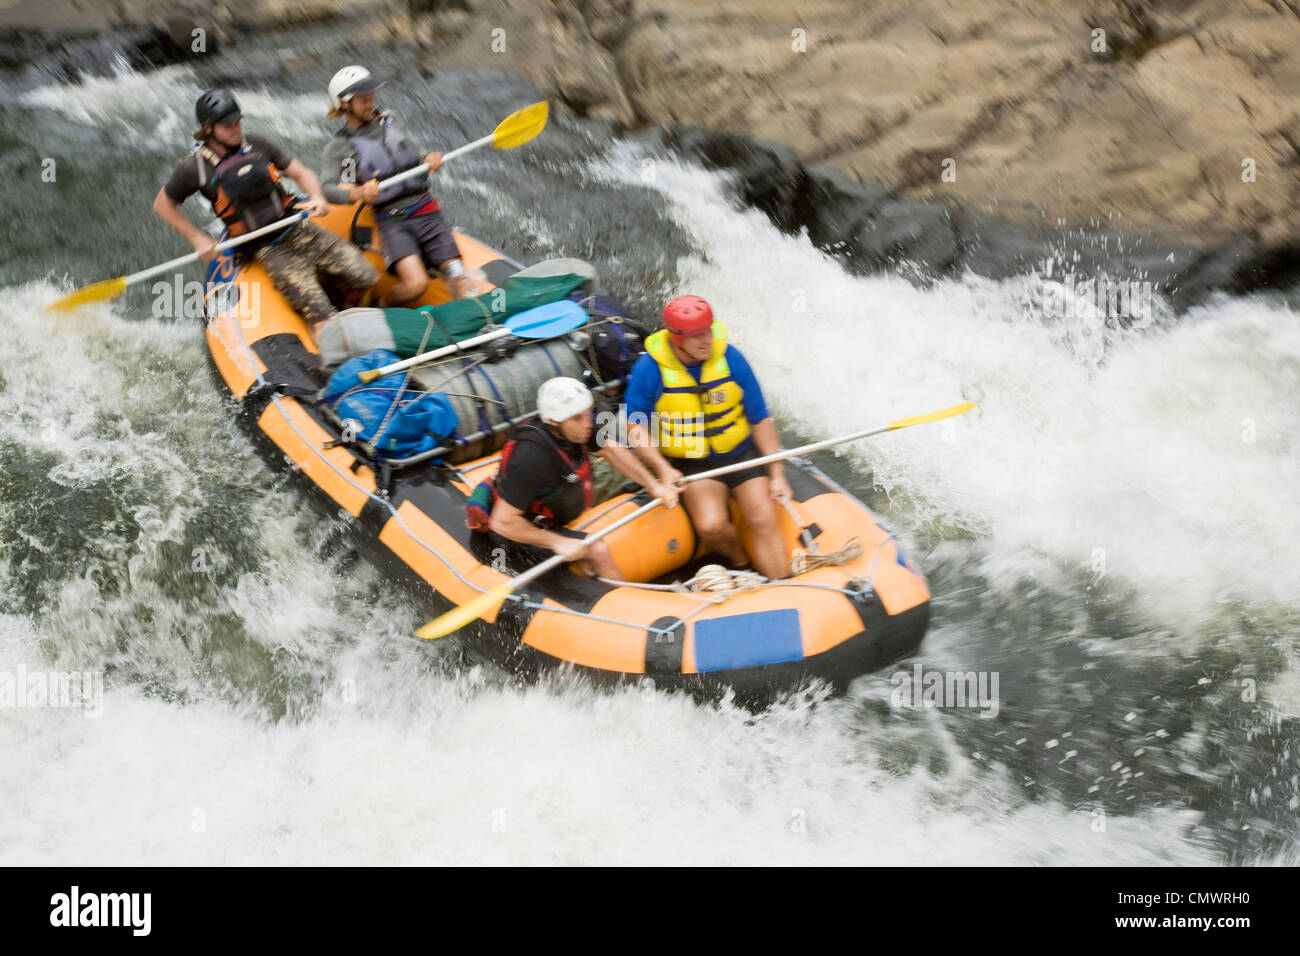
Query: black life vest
[244, 188]
[553, 507]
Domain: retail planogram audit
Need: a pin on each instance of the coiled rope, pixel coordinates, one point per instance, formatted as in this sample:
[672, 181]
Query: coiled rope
[719, 583]
[803, 561]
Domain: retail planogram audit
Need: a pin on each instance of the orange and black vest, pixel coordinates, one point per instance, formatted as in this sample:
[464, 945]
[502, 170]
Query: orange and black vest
[244, 188]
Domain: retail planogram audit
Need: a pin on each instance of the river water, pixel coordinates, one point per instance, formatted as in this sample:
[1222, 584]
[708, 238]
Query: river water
[1112, 536]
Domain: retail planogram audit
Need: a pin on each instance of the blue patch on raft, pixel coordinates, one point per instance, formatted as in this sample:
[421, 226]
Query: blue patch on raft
[748, 640]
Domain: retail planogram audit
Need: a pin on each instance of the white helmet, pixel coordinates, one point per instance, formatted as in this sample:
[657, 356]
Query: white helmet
[562, 398]
[350, 81]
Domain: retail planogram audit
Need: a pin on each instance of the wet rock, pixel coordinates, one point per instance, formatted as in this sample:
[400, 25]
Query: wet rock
[767, 177]
[552, 44]
[834, 208]
[993, 248]
[901, 230]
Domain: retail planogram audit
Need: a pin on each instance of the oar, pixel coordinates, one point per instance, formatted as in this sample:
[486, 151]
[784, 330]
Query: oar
[515, 130]
[111, 288]
[485, 603]
[542, 322]
[819, 445]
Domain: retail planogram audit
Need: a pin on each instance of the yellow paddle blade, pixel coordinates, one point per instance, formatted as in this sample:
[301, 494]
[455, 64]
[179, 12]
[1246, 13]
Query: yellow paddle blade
[458, 617]
[521, 126]
[95, 292]
[933, 416]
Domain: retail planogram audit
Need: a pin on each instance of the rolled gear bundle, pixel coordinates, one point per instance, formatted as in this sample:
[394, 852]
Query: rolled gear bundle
[393, 420]
[409, 332]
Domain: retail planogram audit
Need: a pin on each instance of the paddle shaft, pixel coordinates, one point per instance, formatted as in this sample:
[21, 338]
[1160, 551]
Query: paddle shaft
[557, 559]
[424, 167]
[438, 353]
[712, 473]
[220, 247]
[786, 453]
[827, 443]
[537, 328]
[728, 470]
[489, 600]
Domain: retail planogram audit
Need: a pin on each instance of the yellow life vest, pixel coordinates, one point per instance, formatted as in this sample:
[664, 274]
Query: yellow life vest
[697, 419]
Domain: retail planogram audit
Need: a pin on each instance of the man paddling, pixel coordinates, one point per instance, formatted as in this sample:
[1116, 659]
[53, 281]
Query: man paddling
[240, 177]
[412, 230]
[707, 410]
[544, 482]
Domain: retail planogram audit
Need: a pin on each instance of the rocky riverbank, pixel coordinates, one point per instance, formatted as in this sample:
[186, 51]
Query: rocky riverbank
[1141, 114]
[920, 130]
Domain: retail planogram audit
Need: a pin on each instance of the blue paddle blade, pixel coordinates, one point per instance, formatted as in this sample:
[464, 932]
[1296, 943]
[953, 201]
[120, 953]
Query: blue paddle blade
[543, 321]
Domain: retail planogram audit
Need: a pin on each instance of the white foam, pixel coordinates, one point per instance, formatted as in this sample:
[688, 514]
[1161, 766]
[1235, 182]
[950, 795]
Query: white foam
[423, 770]
[157, 107]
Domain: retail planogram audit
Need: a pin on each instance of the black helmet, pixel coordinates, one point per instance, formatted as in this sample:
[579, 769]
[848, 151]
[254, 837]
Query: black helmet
[217, 106]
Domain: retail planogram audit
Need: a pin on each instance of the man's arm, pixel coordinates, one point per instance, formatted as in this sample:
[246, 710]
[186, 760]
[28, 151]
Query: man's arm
[755, 405]
[646, 448]
[339, 174]
[509, 522]
[644, 387]
[768, 442]
[762, 427]
[305, 178]
[627, 464]
[170, 213]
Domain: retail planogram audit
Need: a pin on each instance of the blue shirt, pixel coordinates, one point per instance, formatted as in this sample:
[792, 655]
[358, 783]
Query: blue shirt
[646, 384]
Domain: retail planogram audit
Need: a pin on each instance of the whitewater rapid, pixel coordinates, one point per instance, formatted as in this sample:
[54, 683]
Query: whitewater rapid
[265, 701]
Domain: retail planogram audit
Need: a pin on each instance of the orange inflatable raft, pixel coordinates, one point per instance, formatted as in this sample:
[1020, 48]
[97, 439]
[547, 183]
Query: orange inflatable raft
[833, 622]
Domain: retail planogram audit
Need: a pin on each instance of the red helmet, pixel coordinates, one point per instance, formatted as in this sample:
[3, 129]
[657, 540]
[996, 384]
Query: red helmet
[687, 315]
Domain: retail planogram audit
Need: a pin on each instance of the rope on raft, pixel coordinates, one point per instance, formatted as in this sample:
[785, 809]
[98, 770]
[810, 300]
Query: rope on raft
[803, 561]
[716, 584]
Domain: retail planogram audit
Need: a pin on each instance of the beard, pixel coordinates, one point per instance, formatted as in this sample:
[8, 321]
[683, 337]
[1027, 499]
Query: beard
[369, 116]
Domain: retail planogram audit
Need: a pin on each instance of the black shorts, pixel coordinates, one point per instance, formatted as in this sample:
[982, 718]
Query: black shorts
[733, 480]
[427, 236]
[518, 557]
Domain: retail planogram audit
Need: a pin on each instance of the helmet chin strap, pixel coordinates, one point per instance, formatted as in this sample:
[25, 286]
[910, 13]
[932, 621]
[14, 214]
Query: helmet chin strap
[679, 343]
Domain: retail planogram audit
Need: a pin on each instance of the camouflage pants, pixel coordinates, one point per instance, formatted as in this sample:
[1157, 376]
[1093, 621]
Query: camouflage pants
[606, 482]
[307, 252]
